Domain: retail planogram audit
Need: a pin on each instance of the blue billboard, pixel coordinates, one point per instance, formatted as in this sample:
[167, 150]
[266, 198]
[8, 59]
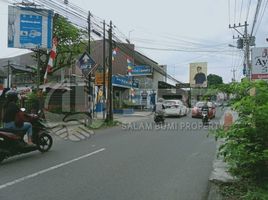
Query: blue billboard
[141, 70]
[29, 28]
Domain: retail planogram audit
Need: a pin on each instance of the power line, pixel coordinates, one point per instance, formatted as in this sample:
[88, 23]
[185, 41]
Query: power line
[256, 16]
[263, 12]
[249, 5]
[241, 9]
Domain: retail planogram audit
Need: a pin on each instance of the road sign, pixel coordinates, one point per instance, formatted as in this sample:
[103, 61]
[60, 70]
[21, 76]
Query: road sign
[183, 85]
[86, 64]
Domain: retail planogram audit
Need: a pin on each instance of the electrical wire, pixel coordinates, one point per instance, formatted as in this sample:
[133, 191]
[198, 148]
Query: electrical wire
[241, 9]
[256, 16]
[249, 5]
[263, 12]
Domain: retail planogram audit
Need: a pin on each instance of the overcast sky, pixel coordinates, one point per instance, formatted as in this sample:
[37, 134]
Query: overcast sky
[197, 30]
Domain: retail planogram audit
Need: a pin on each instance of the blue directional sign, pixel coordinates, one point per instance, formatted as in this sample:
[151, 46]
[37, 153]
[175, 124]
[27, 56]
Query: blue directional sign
[86, 63]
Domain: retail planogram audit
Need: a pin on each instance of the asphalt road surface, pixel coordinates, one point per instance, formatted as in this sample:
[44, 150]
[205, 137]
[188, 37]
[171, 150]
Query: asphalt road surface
[138, 161]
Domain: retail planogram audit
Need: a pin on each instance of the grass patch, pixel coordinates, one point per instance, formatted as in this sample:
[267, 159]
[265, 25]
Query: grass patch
[99, 124]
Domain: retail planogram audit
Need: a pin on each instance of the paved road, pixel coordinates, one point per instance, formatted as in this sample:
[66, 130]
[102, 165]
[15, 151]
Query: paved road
[135, 161]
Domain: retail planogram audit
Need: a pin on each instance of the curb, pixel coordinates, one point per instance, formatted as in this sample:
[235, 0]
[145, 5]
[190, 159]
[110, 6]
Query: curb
[219, 174]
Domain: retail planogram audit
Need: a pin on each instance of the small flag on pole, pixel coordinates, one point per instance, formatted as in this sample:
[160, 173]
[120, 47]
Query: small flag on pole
[129, 66]
[114, 53]
[52, 57]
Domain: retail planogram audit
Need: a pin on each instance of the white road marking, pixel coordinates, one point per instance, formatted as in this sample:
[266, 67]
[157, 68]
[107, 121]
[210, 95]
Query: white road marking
[48, 169]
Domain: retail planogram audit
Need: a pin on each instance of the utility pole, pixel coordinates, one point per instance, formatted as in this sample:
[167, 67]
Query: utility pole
[247, 40]
[38, 69]
[104, 70]
[233, 71]
[91, 95]
[110, 72]
[8, 74]
[243, 42]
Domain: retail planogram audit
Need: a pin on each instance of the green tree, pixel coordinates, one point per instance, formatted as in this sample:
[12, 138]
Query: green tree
[214, 80]
[70, 44]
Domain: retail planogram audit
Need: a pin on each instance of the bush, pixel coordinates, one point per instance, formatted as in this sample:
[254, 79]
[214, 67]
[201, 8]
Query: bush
[246, 146]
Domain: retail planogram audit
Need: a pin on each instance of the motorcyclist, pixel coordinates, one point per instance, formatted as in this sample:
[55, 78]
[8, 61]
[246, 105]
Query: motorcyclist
[10, 112]
[205, 108]
[159, 107]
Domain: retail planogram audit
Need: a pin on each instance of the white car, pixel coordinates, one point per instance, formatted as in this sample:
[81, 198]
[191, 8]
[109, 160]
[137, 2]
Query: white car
[175, 108]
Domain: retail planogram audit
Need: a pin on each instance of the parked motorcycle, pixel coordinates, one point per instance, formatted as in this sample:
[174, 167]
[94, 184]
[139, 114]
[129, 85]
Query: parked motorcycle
[12, 143]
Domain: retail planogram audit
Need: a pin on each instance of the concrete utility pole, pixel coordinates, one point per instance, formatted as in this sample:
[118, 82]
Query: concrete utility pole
[104, 71]
[233, 71]
[38, 69]
[91, 95]
[247, 40]
[110, 72]
[244, 43]
[8, 73]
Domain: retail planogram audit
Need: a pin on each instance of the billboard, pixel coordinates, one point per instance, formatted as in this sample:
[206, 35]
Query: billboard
[29, 28]
[198, 74]
[260, 63]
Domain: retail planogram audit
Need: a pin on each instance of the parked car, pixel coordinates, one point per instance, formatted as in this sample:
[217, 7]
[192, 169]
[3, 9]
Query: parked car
[196, 110]
[175, 108]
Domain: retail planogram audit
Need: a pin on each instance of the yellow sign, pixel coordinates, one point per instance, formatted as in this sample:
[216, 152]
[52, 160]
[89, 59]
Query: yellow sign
[99, 78]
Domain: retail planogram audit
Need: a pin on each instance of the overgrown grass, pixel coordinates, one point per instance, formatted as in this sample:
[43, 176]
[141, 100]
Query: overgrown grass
[244, 190]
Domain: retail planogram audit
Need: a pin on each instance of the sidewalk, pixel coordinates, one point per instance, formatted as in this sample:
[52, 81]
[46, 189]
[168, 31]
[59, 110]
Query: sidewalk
[56, 119]
[130, 118]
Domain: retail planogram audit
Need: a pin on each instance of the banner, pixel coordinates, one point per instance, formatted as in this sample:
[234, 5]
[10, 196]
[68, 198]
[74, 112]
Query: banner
[198, 74]
[29, 28]
[260, 63]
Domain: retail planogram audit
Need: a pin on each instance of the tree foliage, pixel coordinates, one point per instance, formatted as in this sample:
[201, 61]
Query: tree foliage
[214, 80]
[70, 44]
[246, 146]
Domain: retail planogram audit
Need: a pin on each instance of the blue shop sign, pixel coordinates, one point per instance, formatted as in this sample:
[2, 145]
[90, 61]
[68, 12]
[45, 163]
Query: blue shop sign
[141, 70]
[124, 81]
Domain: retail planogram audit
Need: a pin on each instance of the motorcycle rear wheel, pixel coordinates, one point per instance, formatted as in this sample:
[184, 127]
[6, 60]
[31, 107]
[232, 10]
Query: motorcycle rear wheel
[44, 142]
[2, 157]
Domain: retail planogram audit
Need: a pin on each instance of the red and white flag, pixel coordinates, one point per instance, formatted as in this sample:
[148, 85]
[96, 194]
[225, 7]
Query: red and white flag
[52, 57]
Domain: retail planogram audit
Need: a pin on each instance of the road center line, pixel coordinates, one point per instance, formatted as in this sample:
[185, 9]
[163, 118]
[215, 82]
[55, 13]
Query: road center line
[48, 169]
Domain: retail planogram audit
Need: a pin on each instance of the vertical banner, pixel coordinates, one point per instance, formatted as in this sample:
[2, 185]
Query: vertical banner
[198, 74]
[29, 28]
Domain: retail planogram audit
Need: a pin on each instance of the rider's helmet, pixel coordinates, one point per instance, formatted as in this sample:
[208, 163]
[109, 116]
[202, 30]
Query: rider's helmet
[12, 95]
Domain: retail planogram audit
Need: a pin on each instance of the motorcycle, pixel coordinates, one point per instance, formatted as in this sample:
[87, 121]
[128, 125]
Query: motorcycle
[159, 118]
[205, 117]
[12, 142]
